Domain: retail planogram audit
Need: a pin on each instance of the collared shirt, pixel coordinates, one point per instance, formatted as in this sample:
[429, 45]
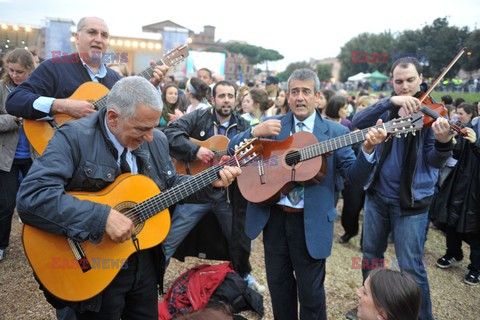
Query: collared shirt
[308, 125]
[131, 159]
[44, 104]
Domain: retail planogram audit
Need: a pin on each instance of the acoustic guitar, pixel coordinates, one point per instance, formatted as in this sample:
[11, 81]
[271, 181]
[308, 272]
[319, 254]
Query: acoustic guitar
[218, 144]
[39, 132]
[75, 271]
[298, 158]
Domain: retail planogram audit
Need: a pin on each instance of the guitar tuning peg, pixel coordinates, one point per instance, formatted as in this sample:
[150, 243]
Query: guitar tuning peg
[414, 133]
[236, 147]
[406, 134]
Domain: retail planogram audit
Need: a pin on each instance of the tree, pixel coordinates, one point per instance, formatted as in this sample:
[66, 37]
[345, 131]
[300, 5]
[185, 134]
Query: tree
[441, 43]
[366, 53]
[472, 61]
[254, 54]
[216, 49]
[324, 72]
[283, 76]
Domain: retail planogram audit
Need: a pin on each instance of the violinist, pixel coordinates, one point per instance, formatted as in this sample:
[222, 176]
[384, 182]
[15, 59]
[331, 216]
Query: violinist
[402, 185]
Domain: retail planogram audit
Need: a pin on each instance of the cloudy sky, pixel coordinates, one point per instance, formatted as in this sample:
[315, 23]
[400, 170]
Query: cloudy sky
[299, 29]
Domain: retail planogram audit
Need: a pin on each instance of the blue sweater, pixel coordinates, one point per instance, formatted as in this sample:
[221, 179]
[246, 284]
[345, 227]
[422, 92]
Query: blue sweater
[57, 78]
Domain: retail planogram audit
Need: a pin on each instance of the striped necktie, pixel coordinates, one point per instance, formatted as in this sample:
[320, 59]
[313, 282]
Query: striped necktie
[296, 195]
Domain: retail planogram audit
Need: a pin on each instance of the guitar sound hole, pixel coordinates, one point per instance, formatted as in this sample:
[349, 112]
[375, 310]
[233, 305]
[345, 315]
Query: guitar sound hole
[292, 158]
[126, 209]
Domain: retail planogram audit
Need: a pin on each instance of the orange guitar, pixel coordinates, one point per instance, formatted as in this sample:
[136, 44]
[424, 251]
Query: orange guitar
[74, 271]
[40, 132]
[218, 144]
[298, 159]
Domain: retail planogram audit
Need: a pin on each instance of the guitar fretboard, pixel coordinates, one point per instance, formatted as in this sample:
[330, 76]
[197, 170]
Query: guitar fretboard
[339, 142]
[147, 74]
[162, 201]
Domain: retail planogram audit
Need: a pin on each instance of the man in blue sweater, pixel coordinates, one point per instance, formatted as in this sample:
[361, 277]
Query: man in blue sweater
[47, 90]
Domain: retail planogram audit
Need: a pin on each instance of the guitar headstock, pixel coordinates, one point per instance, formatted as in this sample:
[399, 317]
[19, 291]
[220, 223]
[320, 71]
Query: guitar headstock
[247, 151]
[174, 56]
[409, 123]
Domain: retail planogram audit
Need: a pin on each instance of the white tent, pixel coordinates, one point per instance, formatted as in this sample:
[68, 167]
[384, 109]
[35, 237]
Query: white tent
[358, 76]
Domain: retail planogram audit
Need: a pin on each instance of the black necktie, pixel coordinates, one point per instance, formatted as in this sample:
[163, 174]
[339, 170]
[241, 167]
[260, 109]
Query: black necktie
[124, 167]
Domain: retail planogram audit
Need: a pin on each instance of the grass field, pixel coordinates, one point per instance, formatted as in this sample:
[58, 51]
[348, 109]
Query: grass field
[469, 97]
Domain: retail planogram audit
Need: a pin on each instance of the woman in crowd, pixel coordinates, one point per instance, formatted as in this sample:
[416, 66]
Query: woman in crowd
[323, 99]
[15, 155]
[281, 105]
[196, 92]
[171, 105]
[254, 106]
[388, 295]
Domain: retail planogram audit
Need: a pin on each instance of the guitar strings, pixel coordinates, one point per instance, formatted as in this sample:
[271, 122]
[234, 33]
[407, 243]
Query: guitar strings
[158, 203]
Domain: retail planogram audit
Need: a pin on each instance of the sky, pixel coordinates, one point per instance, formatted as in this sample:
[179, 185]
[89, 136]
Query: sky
[299, 30]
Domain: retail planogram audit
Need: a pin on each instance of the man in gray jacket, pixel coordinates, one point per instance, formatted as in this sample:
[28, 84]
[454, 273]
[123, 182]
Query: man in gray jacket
[87, 155]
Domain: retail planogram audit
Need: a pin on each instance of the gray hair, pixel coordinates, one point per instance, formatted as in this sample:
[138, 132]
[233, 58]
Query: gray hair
[302, 75]
[81, 22]
[130, 92]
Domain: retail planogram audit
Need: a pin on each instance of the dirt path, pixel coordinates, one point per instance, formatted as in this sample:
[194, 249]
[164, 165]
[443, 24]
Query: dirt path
[451, 298]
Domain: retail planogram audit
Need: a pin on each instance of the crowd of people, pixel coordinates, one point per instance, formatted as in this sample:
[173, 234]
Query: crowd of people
[400, 184]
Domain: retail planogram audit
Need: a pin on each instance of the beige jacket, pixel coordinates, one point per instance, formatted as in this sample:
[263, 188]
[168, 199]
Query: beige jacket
[9, 132]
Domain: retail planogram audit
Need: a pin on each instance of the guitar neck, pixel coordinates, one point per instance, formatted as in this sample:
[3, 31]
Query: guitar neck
[147, 74]
[336, 143]
[162, 201]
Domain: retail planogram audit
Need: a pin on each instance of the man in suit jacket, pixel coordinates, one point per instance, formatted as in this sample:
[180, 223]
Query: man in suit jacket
[298, 233]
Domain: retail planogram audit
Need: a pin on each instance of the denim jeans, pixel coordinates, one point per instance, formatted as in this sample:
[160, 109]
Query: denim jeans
[186, 216]
[382, 215]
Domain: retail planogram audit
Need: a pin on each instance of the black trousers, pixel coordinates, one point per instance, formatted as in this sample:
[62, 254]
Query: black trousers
[353, 199]
[290, 267]
[454, 246]
[132, 294]
[9, 184]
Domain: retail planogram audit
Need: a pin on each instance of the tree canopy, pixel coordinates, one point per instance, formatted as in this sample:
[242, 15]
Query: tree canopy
[254, 54]
[434, 46]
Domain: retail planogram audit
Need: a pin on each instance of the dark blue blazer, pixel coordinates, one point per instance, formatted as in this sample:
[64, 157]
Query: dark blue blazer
[319, 210]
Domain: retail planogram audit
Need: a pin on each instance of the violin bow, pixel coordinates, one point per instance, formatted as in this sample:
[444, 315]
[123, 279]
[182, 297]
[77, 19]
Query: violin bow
[444, 72]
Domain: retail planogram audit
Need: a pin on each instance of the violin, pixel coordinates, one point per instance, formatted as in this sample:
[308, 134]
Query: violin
[433, 110]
